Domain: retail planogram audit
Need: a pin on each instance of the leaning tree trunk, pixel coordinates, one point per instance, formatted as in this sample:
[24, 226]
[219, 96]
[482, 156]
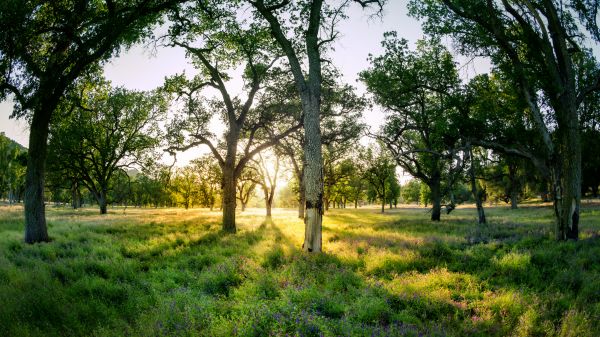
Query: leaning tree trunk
[35, 212]
[313, 169]
[229, 200]
[568, 200]
[436, 199]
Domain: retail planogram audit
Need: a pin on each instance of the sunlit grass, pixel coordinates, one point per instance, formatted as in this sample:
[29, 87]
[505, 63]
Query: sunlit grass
[172, 272]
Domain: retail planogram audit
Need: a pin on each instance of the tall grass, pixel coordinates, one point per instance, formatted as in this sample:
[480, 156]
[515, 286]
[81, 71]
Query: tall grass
[171, 272]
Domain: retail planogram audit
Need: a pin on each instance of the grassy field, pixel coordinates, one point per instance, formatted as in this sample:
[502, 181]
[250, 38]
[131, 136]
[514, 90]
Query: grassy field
[171, 272]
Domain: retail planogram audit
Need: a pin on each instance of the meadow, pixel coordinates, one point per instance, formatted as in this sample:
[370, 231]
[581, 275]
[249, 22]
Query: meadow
[172, 272]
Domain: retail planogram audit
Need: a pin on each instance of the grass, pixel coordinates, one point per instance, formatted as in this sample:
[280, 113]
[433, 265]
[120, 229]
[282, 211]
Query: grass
[171, 272]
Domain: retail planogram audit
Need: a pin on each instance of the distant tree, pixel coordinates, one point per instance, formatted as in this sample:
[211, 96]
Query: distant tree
[411, 191]
[185, 184]
[210, 176]
[379, 169]
[107, 131]
[393, 191]
[246, 186]
[267, 172]
[44, 48]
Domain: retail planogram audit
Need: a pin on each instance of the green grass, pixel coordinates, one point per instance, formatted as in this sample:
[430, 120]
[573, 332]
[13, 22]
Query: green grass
[171, 272]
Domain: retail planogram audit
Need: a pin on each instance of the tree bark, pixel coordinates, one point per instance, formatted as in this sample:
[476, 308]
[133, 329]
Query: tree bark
[102, 204]
[477, 194]
[436, 199]
[570, 178]
[313, 170]
[229, 200]
[35, 211]
[268, 205]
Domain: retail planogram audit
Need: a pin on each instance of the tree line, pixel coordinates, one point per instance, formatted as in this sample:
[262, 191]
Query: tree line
[531, 113]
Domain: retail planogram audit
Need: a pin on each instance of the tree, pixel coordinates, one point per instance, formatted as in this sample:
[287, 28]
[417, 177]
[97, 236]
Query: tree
[379, 170]
[108, 130]
[44, 48]
[13, 160]
[210, 177]
[228, 44]
[418, 89]
[246, 186]
[411, 191]
[185, 184]
[267, 169]
[306, 42]
[536, 44]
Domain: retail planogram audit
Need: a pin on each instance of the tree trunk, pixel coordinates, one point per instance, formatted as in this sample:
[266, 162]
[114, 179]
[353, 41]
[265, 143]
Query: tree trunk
[75, 195]
[313, 169]
[35, 212]
[436, 199]
[268, 205]
[568, 199]
[477, 194]
[102, 202]
[514, 199]
[229, 200]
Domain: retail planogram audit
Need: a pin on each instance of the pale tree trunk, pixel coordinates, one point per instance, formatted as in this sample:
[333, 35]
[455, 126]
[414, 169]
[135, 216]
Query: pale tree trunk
[313, 170]
[35, 212]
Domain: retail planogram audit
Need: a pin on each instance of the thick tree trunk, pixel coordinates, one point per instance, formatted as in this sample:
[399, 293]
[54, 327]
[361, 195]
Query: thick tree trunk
[102, 202]
[436, 199]
[268, 205]
[514, 200]
[313, 169]
[229, 200]
[35, 212]
[569, 196]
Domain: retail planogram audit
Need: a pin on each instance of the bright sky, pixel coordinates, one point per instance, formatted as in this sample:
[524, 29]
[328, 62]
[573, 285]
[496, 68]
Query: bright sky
[144, 69]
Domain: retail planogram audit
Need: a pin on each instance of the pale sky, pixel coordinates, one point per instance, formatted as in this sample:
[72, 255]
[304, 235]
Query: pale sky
[144, 69]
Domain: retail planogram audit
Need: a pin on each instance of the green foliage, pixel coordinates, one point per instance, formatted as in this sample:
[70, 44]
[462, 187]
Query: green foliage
[13, 160]
[171, 272]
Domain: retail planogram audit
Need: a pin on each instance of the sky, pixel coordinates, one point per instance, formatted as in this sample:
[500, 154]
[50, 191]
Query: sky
[143, 68]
